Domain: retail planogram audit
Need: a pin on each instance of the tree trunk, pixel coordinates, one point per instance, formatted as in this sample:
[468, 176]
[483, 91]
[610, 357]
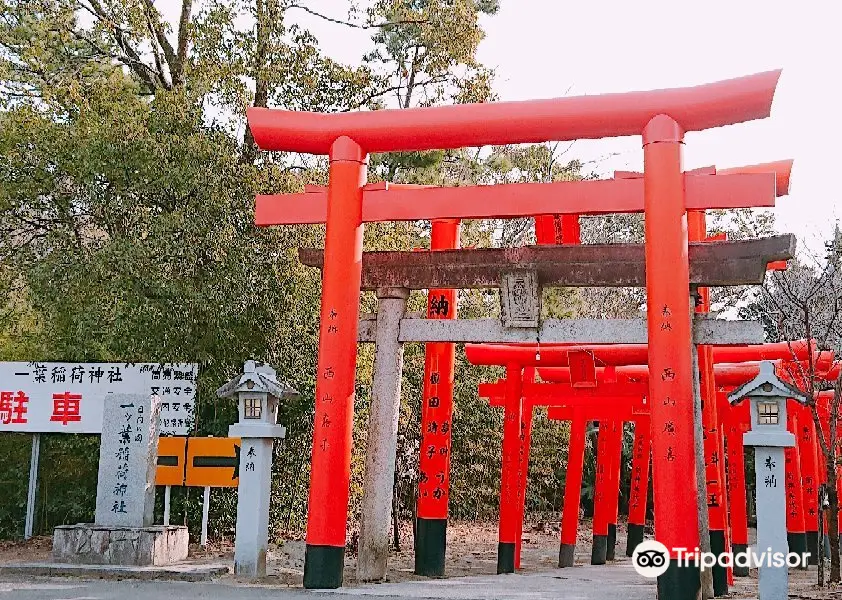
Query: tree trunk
[396, 522]
[263, 32]
[833, 522]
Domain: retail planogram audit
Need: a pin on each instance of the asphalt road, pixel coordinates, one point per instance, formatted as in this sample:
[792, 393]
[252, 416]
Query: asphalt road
[581, 583]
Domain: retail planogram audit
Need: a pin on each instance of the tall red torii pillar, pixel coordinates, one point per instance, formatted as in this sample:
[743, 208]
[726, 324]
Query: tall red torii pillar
[662, 117]
[808, 451]
[436, 423]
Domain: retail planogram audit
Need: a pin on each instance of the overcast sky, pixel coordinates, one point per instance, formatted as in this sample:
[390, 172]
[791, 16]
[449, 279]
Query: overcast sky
[550, 48]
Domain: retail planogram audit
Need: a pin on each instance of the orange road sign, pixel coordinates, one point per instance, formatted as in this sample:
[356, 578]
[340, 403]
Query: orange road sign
[213, 462]
[171, 451]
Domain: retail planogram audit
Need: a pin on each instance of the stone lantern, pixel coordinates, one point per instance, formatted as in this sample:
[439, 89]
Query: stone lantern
[768, 434]
[258, 394]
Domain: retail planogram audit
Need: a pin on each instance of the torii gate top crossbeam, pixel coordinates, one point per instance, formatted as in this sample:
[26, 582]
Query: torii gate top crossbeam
[456, 126]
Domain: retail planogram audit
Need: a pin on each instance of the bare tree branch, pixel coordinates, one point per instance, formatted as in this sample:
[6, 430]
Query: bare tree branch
[325, 17]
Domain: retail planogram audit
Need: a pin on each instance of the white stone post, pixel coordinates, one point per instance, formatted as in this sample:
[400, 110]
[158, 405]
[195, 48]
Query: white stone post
[382, 436]
[252, 539]
[770, 498]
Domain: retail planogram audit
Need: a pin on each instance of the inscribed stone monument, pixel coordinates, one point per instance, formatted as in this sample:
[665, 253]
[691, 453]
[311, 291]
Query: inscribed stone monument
[127, 456]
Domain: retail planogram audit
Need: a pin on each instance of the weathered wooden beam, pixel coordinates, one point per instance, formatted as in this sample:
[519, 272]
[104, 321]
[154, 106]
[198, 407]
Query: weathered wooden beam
[712, 264]
[563, 331]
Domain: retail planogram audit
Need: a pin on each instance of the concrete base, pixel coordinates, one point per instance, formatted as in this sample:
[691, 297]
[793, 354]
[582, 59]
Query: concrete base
[599, 550]
[813, 547]
[566, 555]
[612, 541]
[635, 535]
[89, 544]
[720, 574]
[737, 549]
[798, 544]
[430, 547]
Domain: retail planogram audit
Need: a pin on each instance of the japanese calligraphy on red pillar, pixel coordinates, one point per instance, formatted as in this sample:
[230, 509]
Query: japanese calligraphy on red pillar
[641, 454]
[436, 415]
[434, 478]
[807, 445]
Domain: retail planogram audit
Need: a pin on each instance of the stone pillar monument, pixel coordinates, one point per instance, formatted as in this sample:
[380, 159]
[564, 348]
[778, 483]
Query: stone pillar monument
[258, 394]
[382, 437]
[768, 396]
[123, 532]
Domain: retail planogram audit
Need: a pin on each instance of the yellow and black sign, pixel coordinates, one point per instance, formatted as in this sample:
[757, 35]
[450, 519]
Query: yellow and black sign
[213, 462]
[171, 454]
[198, 462]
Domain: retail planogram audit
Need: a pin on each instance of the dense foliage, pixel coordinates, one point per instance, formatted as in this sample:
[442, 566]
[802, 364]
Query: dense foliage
[127, 178]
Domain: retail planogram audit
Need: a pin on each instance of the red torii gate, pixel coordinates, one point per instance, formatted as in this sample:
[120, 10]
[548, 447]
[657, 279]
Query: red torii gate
[604, 403]
[568, 403]
[611, 380]
[661, 117]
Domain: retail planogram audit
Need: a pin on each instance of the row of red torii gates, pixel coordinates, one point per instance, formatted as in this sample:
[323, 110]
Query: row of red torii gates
[580, 392]
[675, 264]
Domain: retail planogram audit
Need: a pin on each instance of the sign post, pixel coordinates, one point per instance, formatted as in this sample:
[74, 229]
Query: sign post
[33, 485]
[167, 494]
[205, 513]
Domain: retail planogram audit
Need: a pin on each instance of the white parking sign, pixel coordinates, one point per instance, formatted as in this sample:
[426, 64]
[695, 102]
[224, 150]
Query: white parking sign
[68, 397]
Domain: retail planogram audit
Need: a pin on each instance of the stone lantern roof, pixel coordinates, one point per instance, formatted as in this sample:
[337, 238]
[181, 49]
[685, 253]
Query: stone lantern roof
[257, 377]
[767, 383]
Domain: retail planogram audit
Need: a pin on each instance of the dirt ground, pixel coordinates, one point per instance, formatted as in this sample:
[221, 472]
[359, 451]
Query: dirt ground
[471, 550]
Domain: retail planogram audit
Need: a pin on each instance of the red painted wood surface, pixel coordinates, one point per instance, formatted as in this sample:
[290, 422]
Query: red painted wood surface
[639, 490]
[497, 123]
[711, 433]
[509, 500]
[526, 418]
[327, 511]
[621, 354]
[808, 450]
[615, 474]
[736, 423]
[437, 406]
[573, 482]
[517, 199]
[795, 522]
[601, 503]
[670, 337]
